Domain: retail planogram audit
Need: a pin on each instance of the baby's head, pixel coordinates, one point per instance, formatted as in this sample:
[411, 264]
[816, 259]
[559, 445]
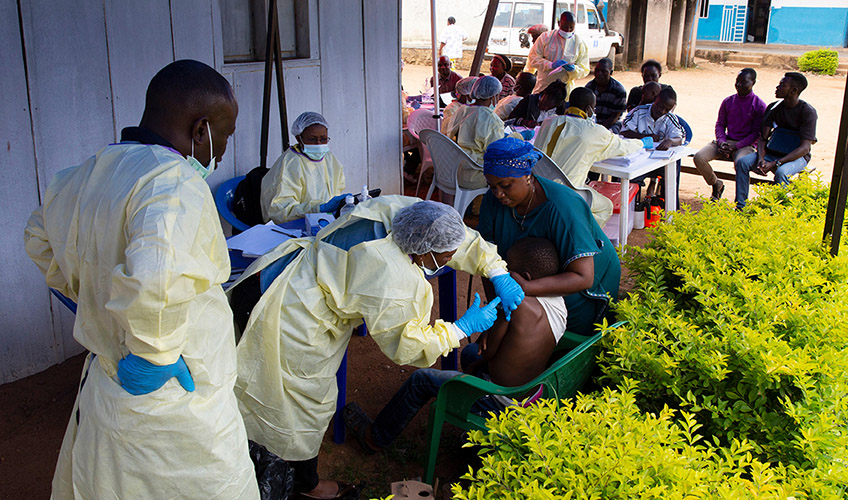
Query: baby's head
[650, 91]
[533, 258]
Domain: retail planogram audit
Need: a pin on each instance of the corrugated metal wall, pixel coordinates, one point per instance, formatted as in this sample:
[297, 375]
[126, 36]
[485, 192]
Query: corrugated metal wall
[75, 72]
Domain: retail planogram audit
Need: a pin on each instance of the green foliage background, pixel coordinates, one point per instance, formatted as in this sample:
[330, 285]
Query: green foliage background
[729, 381]
[819, 61]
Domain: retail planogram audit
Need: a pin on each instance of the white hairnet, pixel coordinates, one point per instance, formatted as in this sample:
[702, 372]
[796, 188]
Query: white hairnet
[486, 87]
[428, 226]
[463, 87]
[305, 120]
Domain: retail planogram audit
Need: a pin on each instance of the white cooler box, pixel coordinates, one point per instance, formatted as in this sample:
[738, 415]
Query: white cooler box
[612, 190]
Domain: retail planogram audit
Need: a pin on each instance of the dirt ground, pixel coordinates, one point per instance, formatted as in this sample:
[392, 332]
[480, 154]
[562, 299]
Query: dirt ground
[34, 411]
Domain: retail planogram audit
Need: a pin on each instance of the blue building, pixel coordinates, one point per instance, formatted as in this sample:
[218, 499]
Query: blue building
[822, 23]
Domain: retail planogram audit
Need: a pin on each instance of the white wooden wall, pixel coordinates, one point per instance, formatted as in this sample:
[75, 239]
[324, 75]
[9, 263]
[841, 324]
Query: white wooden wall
[86, 67]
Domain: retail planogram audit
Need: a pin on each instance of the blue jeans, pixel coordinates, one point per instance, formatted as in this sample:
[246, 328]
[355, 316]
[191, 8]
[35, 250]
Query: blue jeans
[422, 386]
[781, 175]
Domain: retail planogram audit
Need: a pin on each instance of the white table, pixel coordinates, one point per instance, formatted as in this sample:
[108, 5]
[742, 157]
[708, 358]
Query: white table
[643, 167]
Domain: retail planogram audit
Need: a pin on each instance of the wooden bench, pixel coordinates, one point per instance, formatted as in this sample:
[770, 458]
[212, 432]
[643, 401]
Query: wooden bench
[731, 175]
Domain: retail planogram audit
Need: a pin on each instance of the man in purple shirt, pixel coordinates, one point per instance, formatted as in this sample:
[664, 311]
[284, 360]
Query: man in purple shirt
[737, 129]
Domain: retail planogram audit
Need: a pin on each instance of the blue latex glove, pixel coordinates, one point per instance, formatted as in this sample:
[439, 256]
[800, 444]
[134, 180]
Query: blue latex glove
[509, 291]
[478, 319]
[558, 63]
[139, 376]
[527, 134]
[334, 203]
[568, 67]
[648, 142]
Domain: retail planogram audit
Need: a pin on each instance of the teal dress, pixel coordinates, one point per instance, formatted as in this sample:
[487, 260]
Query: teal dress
[566, 220]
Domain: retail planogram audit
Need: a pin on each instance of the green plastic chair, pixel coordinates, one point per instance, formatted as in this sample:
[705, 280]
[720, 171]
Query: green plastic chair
[563, 379]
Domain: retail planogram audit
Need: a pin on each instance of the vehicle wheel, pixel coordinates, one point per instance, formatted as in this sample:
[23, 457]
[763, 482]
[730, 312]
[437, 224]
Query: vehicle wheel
[611, 55]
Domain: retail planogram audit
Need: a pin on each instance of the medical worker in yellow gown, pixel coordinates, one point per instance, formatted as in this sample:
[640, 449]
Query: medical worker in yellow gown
[307, 178]
[370, 264]
[559, 54]
[474, 127]
[132, 235]
[574, 142]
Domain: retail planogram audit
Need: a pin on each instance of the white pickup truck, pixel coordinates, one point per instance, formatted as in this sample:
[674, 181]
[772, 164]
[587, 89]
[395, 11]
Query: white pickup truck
[509, 35]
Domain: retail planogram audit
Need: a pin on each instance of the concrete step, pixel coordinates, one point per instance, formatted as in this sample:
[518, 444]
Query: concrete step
[745, 58]
[743, 64]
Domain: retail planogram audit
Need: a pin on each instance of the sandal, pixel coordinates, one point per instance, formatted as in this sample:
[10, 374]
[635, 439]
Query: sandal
[358, 422]
[347, 491]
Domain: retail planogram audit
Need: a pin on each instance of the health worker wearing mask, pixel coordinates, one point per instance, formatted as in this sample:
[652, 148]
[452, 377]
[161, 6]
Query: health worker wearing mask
[559, 55]
[370, 264]
[305, 179]
[132, 235]
[463, 97]
[476, 126]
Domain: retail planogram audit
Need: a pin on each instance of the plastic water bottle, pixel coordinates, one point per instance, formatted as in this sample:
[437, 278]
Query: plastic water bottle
[363, 195]
[348, 206]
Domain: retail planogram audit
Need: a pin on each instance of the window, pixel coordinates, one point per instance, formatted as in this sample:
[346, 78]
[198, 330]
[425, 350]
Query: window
[593, 19]
[528, 14]
[245, 24]
[569, 6]
[705, 9]
[503, 15]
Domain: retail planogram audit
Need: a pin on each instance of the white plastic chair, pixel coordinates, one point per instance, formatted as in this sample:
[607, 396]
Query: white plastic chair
[546, 168]
[448, 158]
[419, 120]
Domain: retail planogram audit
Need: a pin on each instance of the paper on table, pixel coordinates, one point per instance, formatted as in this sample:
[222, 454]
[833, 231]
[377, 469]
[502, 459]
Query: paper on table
[626, 161]
[662, 155]
[259, 240]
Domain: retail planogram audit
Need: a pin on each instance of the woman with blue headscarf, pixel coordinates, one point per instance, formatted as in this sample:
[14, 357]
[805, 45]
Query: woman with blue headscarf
[520, 204]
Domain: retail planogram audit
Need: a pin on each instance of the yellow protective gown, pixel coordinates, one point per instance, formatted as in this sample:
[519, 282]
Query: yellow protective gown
[299, 330]
[506, 105]
[132, 235]
[574, 144]
[473, 128]
[551, 47]
[449, 112]
[296, 185]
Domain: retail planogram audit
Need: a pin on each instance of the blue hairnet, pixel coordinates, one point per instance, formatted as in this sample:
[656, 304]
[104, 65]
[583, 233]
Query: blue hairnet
[486, 87]
[463, 87]
[510, 157]
[428, 226]
[307, 119]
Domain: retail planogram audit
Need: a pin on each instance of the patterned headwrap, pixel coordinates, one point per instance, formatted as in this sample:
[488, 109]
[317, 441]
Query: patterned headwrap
[510, 157]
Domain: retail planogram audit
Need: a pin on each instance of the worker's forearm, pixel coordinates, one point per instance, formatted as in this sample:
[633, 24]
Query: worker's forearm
[632, 134]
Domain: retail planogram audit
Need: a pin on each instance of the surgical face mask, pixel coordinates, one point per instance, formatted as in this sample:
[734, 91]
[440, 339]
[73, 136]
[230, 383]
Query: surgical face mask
[316, 151]
[430, 272]
[491, 106]
[566, 34]
[203, 171]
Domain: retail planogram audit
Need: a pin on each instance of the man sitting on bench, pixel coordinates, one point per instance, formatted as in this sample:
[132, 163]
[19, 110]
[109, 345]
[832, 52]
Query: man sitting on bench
[787, 134]
[736, 130]
[515, 352]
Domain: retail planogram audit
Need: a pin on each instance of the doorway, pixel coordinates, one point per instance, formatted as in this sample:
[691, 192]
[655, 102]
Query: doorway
[758, 18]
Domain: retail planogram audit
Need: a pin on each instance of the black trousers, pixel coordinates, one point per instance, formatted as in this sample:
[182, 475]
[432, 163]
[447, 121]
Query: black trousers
[305, 474]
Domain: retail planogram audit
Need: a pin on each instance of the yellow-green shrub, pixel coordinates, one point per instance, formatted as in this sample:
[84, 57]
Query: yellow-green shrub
[741, 318]
[600, 446]
[819, 61]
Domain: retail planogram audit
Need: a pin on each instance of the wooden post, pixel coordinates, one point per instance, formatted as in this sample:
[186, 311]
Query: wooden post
[484, 37]
[835, 217]
[273, 57]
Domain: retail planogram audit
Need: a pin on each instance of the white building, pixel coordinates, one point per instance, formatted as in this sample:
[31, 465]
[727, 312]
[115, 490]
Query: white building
[75, 73]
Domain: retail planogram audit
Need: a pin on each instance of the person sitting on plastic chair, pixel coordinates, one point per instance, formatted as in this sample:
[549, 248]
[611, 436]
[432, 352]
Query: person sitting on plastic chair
[511, 353]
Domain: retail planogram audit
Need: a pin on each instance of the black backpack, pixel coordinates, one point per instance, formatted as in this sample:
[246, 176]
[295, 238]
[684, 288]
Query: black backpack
[247, 205]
